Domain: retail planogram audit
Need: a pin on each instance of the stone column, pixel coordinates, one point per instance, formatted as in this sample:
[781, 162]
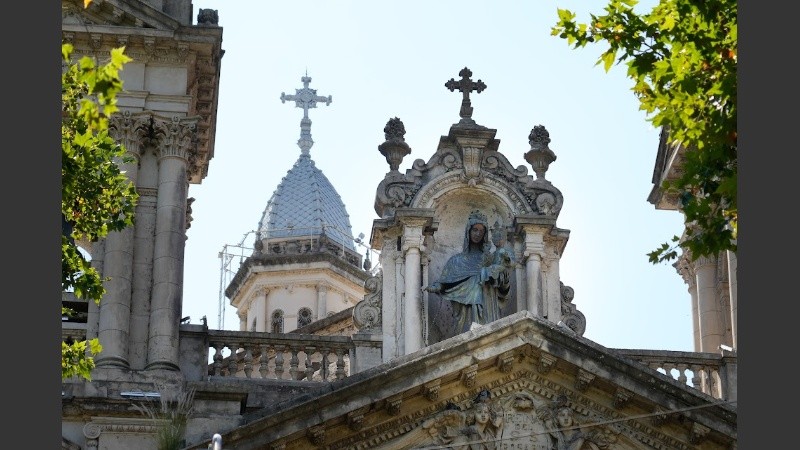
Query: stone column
[115, 306]
[143, 248]
[262, 321]
[412, 304]
[708, 309]
[728, 372]
[684, 267]
[426, 320]
[176, 139]
[521, 270]
[322, 301]
[93, 316]
[399, 296]
[732, 286]
[533, 272]
[551, 283]
[242, 320]
[387, 242]
[533, 252]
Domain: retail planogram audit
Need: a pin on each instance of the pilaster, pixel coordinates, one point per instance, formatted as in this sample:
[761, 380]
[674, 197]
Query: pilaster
[322, 300]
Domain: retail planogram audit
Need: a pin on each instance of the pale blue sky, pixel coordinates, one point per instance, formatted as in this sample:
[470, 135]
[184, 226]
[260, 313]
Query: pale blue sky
[383, 59]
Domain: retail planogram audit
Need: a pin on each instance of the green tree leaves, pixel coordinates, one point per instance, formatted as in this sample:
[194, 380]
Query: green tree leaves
[681, 57]
[96, 197]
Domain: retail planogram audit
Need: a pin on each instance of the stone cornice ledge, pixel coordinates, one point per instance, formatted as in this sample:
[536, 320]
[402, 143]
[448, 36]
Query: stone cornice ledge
[460, 352]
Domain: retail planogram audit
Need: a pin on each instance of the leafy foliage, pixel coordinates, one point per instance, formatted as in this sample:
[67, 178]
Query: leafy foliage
[74, 361]
[170, 418]
[682, 58]
[96, 197]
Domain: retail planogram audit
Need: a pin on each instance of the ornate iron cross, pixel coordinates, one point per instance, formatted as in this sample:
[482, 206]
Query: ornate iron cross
[465, 85]
[305, 98]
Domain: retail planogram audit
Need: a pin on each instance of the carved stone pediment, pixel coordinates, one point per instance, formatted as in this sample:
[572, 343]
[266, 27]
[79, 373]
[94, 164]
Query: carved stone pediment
[486, 390]
[467, 157]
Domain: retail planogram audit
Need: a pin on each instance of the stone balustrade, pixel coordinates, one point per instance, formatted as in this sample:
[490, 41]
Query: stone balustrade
[713, 374]
[277, 356]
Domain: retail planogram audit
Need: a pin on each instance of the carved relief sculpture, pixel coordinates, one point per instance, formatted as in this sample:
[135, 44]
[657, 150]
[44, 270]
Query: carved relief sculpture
[567, 434]
[478, 428]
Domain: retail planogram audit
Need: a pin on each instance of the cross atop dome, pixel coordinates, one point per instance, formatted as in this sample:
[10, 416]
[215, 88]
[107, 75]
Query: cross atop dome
[305, 98]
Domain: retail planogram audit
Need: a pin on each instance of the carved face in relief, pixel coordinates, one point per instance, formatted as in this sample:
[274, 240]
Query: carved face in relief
[482, 414]
[476, 233]
[565, 418]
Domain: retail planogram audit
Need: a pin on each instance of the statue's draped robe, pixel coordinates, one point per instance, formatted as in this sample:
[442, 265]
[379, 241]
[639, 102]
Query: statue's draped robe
[476, 288]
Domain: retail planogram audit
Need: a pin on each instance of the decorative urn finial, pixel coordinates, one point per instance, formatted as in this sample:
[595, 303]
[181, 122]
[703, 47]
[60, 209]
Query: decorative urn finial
[394, 149]
[539, 156]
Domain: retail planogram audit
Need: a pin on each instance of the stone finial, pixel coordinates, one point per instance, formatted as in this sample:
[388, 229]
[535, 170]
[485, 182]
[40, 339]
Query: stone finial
[394, 149]
[395, 130]
[539, 156]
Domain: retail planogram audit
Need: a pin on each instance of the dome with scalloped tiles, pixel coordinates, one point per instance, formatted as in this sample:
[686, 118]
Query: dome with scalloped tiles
[306, 204]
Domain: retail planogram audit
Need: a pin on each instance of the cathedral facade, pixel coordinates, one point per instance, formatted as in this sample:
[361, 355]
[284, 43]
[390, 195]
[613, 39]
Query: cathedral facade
[333, 353]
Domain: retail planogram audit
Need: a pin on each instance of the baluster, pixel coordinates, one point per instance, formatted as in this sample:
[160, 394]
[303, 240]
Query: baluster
[340, 373]
[697, 381]
[264, 360]
[294, 373]
[668, 369]
[233, 363]
[682, 372]
[248, 361]
[309, 365]
[279, 349]
[704, 380]
[218, 358]
[324, 370]
[712, 384]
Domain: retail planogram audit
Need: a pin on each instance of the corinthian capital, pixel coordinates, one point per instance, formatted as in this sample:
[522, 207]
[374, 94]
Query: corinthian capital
[705, 261]
[686, 269]
[176, 137]
[130, 130]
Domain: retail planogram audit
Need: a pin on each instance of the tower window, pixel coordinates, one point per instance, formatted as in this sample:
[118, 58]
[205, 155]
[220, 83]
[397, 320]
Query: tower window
[304, 317]
[277, 321]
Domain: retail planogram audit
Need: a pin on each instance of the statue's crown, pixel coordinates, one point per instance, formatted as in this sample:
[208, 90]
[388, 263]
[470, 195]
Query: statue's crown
[476, 216]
